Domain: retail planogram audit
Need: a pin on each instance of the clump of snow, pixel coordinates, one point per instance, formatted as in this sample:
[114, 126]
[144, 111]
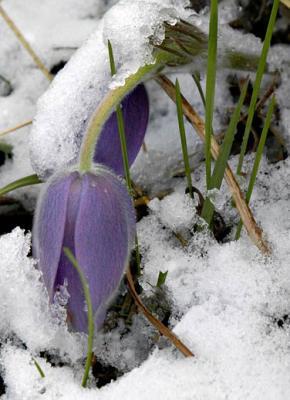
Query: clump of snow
[65, 109]
[24, 304]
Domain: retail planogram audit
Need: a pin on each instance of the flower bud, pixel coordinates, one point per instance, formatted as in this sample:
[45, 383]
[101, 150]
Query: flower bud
[91, 214]
[135, 110]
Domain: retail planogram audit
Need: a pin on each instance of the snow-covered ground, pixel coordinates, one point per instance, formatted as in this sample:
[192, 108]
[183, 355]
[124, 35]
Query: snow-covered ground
[227, 302]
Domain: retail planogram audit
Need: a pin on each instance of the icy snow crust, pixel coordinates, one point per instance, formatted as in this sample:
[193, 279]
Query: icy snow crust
[64, 111]
[229, 304]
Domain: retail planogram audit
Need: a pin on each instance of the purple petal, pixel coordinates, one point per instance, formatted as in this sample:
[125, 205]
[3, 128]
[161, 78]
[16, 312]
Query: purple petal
[49, 227]
[92, 215]
[104, 234]
[135, 108]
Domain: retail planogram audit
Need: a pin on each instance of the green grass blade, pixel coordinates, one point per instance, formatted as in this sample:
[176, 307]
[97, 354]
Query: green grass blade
[196, 78]
[39, 369]
[257, 85]
[221, 163]
[210, 85]
[26, 181]
[258, 159]
[122, 135]
[88, 299]
[121, 125]
[222, 160]
[183, 137]
[161, 279]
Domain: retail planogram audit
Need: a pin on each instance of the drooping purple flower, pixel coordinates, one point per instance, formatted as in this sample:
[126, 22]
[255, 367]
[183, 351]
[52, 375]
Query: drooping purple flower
[135, 109]
[92, 215]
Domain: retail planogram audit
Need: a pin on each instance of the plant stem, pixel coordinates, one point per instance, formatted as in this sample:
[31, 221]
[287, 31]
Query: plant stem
[87, 295]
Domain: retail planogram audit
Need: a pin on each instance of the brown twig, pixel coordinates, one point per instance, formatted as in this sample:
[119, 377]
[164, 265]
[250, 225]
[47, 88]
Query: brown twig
[254, 232]
[25, 44]
[15, 128]
[154, 321]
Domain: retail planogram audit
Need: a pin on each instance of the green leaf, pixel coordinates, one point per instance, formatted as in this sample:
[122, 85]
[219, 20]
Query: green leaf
[26, 181]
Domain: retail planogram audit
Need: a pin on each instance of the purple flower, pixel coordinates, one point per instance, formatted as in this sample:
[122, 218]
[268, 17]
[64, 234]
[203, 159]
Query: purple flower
[91, 214]
[135, 109]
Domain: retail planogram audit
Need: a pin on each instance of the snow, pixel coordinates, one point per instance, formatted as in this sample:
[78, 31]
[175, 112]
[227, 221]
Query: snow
[64, 111]
[24, 302]
[227, 302]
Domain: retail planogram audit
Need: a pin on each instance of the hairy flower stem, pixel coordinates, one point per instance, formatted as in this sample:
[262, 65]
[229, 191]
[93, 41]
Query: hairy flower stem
[102, 113]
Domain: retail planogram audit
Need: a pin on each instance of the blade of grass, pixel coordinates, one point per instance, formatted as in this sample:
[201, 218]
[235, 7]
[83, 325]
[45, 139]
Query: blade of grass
[26, 181]
[258, 159]
[122, 135]
[254, 232]
[91, 327]
[121, 125]
[39, 369]
[222, 160]
[196, 78]
[25, 44]
[183, 138]
[161, 278]
[257, 85]
[210, 85]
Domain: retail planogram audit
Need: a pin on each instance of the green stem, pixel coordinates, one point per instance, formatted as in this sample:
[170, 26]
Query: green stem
[183, 137]
[26, 181]
[110, 101]
[87, 295]
[258, 159]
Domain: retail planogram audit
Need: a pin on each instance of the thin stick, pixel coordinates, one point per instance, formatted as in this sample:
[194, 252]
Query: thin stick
[154, 321]
[254, 232]
[25, 44]
[15, 128]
